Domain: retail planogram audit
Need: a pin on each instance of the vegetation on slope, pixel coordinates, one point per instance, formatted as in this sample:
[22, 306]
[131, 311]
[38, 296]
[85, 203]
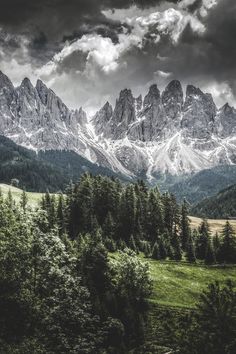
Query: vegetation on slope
[223, 205]
[49, 170]
[203, 184]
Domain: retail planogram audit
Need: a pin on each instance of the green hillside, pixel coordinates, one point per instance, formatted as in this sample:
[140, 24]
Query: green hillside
[49, 170]
[222, 205]
[179, 284]
[201, 185]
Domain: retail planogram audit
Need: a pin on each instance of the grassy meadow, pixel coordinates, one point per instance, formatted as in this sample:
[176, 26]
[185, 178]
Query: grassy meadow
[179, 284]
[215, 224]
[33, 198]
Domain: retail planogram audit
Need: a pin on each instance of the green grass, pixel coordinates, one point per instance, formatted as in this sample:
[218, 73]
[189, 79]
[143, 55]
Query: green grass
[179, 284]
[33, 198]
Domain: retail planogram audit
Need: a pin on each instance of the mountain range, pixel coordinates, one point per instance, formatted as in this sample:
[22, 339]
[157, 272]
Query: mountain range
[169, 132]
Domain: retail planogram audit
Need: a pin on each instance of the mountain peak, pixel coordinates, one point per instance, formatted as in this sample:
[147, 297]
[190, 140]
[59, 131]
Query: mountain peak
[107, 105]
[174, 85]
[153, 90]
[126, 94]
[27, 85]
[5, 81]
[172, 99]
[193, 91]
[42, 90]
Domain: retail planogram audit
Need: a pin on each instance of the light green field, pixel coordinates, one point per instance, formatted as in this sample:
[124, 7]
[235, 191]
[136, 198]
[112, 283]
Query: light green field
[180, 284]
[33, 198]
[215, 225]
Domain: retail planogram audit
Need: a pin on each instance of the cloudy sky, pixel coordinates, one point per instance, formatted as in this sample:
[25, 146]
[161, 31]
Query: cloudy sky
[88, 50]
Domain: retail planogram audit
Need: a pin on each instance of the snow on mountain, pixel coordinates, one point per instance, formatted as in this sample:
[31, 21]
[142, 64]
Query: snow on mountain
[166, 132]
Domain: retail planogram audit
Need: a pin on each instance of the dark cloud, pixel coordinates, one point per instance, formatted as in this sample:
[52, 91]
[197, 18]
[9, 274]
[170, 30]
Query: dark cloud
[60, 13]
[211, 56]
[47, 24]
[195, 5]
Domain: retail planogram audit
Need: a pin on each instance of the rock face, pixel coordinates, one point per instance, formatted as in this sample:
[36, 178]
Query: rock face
[164, 132]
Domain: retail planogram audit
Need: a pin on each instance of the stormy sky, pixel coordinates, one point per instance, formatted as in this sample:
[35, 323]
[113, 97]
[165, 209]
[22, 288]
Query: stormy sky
[88, 50]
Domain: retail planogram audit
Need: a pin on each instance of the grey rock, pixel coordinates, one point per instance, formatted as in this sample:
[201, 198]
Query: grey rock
[161, 133]
[101, 119]
[198, 114]
[225, 122]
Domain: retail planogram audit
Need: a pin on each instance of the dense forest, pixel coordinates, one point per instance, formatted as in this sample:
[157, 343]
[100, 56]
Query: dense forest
[45, 170]
[201, 185]
[139, 218]
[72, 279]
[222, 205]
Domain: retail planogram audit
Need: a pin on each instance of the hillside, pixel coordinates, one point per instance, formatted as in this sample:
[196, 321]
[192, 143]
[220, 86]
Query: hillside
[179, 284]
[50, 170]
[32, 173]
[222, 205]
[33, 198]
[201, 185]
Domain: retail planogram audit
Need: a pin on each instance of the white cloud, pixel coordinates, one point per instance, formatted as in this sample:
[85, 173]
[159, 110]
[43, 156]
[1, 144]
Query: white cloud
[221, 91]
[162, 74]
[14, 61]
[106, 56]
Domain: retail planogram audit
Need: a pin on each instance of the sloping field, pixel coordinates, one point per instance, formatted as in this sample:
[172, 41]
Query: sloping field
[33, 198]
[215, 225]
[179, 284]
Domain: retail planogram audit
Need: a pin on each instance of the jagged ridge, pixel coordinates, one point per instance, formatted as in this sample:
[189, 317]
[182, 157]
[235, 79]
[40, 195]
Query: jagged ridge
[166, 132]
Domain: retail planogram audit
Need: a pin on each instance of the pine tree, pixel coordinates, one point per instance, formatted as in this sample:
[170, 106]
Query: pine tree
[155, 216]
[190, 250]
[216, 245]
[227, 251]
[61, 217]
[162, 248]
[210, 257]
[23, 201]
[203, 240]
[132, 244]
[184, 225]
[156, 252]
[128, 213]
[175, 244]
[108, 229]
[147, 249]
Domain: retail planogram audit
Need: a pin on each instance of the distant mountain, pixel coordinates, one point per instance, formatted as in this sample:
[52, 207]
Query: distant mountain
[222, 205]
[200, 185]
[49, 170]
[169, 133]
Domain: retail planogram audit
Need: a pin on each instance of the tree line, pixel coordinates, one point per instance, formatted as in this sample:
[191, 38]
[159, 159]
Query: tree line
[139, 218]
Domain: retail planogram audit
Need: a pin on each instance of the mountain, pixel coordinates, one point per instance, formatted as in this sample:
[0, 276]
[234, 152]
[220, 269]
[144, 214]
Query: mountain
[200, 185]
[170, 132]
[220, 206]
[47, 170]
